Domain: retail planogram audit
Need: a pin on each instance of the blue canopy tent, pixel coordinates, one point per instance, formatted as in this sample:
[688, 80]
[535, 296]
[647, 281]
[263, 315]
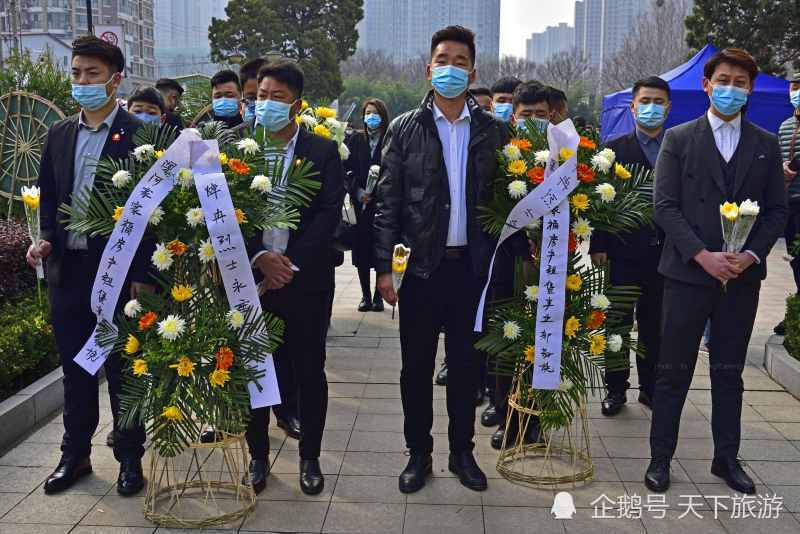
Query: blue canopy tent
[768, 106]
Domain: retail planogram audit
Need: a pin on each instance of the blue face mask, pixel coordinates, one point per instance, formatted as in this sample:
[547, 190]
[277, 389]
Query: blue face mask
[794, 98]
[250, 110]
[225, 107]
[91, 96]
[449, 81]
[503, 111]
[728, 99]
[373, 121]
[146, 117]
[273, 115]
[651, 115]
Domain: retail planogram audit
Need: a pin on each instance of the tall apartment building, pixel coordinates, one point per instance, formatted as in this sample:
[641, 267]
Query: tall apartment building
[542, 46]
[402, 28]
[182, 45]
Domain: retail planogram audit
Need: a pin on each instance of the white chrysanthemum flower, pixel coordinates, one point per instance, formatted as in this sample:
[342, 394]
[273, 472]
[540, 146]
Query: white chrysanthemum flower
[121, 178]
[375, 169]
[194, 217]
[144, 152]
[344, 152]
[517, 189]
[512, 152]
[308, 120]
[156, 216]
[162, 257]
[511, 330]
[581, 228]
[614, 343]
[749, 208]
[334, 125]
[532, 293]
[235, 319]
[606, 191]
[185, 178]
[261, 183]
[248, 145]
[171, 327]
[609, 155]
[541, 157]
[535, 224]
[132, 308]
[599, 163]
[600, 301]
[206, 251]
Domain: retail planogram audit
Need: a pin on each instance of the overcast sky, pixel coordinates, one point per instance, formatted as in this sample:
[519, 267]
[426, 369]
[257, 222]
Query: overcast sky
[520, 18]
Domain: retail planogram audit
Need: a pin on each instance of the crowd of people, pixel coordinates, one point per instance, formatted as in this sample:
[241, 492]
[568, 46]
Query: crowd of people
[437, 165]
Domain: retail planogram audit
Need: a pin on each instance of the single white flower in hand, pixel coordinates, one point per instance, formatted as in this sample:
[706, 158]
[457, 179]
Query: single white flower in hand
[344, 152]
[606, 191]
[171, 327]
[143, 153]
[132, 308]
[156, 216]
[517, 189]
[511, 330]
[194, 217]
[248, 145]
[121, 178]
[261, 183]
[162, 257]
[749, 208]
[532, 293]
[600, 301]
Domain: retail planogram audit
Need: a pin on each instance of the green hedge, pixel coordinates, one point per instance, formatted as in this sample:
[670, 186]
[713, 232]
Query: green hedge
[792, 324]
[27, 346]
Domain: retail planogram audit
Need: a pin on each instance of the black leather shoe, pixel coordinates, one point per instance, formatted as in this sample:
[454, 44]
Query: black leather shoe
[291, 425]
[613, 403]
[497, 438]
[311, 479]
[734, 475]
[110, 438]
[365, 305]
[68, 472]
[131, 478]
[412, 478]
[377, 303]
[257, 475]
[479, 396]
[657, 477]
[780, 329]
[489, 417]
[469, 474]
[646, 399]
[441, 376]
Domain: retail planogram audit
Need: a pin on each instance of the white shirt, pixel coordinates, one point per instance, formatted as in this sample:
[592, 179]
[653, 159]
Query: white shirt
[726, 134]
[455, 149]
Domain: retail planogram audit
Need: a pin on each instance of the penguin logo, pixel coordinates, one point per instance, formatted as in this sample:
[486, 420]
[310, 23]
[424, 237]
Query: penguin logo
[563, 506]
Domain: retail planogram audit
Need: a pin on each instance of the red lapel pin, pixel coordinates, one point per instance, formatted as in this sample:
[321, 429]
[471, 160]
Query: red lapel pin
[116, 137]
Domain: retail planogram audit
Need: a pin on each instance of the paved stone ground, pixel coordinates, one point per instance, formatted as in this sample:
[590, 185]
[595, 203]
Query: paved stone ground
[364, 452]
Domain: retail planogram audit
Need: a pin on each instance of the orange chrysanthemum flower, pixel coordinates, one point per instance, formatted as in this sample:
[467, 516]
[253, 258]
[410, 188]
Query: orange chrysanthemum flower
[177, 247]
[572, 244]
[147, 321]
[241, 216]
[238, 166]
[224, 358]
[585, 173]
[587, 143]
[536, 175]
[596, 319]
[522, 144]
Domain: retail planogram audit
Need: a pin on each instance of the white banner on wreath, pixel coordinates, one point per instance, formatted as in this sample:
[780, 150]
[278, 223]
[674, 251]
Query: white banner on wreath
[231, 252]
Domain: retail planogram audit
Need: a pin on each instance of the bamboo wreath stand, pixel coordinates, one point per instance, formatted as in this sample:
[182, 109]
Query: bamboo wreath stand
[202, 487]
[561, 457]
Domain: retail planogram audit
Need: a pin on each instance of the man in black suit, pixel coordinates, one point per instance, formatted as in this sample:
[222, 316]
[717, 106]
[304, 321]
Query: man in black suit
[718, 157]
[172, 91]
[72, 148]
[634, 256]
[297, 278]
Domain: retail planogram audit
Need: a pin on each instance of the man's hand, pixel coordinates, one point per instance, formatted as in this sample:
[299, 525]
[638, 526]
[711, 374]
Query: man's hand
[276, 268]
[37, 253]
[720, 265]
[743, 261]
[788, 174]
[599, 258]
[386, 288]
[137, 288]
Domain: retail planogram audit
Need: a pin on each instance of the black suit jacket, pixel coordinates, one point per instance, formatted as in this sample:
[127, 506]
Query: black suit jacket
[310, 244]
[690, 188]
[56, 178]
[629, 246]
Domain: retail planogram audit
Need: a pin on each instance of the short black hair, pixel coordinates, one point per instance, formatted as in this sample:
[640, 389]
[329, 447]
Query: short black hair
[579, 121]
[149, 95]
[531, 92]
[476, 91]
[169, 83]
[652, 81]
[225, 76]
[92, 46]
[459, 34]
[249, 70]
[284, 71]
[556, 97]
[506, 84]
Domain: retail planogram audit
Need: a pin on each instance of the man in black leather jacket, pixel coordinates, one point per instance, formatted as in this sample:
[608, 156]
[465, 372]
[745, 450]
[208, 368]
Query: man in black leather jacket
[437, 168]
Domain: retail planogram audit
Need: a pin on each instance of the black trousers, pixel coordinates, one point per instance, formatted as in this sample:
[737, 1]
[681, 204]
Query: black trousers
[448, 298]
[686, 309]
[299, 362]
[73, 323]
[790, 234]
[644, 274]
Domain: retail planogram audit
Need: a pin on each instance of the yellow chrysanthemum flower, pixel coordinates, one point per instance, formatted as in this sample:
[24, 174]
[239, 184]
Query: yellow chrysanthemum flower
[132, 345]
[184, 367]
[30, 196]
[223, 158]
[322, 131]
[241, 217]
[218, 377]
[574, 282]
[298, 120]
[597, 345]
[529, 353]
[182, 292]
[325, 113]
[117, 213]
[571, 327]
[304, 105]
[173, 413]
[517, 167]
[580, 202]
[139, 367]
[565, 153]
[159, 153]
[729, 210]
[621, 172]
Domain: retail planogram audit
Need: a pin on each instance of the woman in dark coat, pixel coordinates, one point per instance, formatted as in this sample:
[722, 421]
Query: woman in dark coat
[365, 151]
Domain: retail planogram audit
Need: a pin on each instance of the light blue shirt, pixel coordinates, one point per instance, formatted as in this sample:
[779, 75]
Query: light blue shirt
[455, 149]
[88, 147]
